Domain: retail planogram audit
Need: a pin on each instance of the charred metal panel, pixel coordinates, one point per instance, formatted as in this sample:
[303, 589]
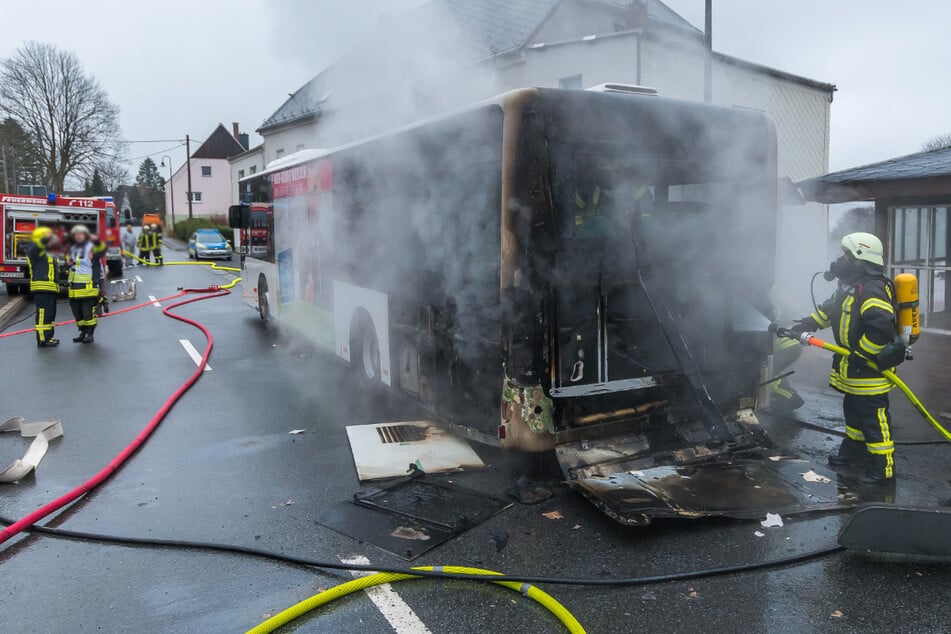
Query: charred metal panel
[742, 489]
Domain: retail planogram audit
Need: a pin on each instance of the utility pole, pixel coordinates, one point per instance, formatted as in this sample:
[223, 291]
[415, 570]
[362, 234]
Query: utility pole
[708, 53]
[188, 166]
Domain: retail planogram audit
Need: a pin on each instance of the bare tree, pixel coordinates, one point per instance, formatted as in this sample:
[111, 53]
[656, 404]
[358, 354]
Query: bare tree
[937, 143]
[73, 124]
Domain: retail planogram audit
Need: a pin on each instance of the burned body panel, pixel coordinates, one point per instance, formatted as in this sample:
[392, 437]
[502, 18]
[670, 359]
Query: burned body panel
[741, 489]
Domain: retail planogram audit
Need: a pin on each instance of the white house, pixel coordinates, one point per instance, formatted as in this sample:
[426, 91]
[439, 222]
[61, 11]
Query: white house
[447, 53]
[245, 164]
[210, 178]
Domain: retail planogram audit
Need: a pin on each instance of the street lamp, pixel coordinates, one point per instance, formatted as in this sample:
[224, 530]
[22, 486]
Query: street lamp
[171, 187]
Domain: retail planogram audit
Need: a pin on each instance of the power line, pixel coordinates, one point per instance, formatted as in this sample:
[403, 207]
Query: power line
[157, 141]
[137, 158]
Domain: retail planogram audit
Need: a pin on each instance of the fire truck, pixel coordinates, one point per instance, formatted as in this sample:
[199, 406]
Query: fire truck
[20, 215]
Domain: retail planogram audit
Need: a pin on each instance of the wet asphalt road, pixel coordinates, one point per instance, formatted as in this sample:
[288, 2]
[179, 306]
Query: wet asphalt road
[221, 465]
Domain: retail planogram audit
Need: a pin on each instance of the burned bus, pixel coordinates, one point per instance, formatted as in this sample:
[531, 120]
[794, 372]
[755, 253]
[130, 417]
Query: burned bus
[550, 269]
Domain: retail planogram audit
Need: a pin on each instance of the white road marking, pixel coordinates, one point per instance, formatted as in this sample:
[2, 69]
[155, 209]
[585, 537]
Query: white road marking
[193, 353]
[391, 605]
[154, 301]
[138, 278]
[937, 331]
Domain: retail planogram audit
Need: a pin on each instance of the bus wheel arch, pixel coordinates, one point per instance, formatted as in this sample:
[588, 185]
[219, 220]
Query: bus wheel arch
[365, 347]
[264, 306]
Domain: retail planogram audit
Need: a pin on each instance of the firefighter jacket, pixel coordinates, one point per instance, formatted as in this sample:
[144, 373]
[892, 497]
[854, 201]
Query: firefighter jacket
[145, 241]
[157, 240]
[862, 317]
[42, 265]
[86, 272]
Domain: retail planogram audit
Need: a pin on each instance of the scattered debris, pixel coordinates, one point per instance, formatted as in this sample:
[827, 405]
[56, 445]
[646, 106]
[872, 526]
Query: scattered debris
[812, 476]
[775, 458]
[554, 515]
[576, 527]
[837, 614]
[529, 492]
[648, 596]
[945, 415]
[759, 533]
[501, 539]
[692, 594]
[295, 432]
[284, 503]
[408, 532]
[772, 520]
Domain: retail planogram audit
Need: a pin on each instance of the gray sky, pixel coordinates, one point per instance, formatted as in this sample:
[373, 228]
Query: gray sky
[181, 66]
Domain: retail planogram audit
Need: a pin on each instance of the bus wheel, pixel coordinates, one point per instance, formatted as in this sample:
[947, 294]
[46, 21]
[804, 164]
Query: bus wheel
[365, 350]
[264, 309]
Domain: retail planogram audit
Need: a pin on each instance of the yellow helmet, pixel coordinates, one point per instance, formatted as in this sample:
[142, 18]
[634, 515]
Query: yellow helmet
[41, 232]
[864, 246]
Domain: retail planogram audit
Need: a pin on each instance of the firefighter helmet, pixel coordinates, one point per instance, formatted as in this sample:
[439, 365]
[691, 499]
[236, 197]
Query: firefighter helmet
[154, 227]
[40, 232]
[76, 230]
[864, 246]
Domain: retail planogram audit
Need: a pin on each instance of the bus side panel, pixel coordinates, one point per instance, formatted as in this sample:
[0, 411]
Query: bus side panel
[254, 271]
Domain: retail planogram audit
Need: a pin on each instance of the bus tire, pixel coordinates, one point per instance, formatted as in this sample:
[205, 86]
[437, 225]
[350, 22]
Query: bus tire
[264, 308]
[364, 349]
[115, 268]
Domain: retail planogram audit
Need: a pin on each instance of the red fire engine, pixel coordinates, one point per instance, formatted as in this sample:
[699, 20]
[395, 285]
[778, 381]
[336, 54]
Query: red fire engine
[20, 215]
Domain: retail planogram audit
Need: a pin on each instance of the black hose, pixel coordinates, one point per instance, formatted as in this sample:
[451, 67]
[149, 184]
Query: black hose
[812, 290]
[333, 565]
[841, 434]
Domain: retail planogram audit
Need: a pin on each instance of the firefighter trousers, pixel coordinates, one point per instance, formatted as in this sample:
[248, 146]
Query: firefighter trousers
[158, 256]
[868, 430]
[84, 311]
[144, 254]
[45, 303]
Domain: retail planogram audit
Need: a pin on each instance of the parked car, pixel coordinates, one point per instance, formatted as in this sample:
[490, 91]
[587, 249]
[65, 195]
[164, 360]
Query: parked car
[208, 243]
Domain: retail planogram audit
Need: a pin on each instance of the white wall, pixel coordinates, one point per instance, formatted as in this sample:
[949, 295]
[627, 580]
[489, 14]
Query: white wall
[244, 163]
[215, 190]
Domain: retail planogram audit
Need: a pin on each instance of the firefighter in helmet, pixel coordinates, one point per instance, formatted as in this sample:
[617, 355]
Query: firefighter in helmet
[85, 276]
[862, 314]
[43, 284]
[156, 236]
[145, 244]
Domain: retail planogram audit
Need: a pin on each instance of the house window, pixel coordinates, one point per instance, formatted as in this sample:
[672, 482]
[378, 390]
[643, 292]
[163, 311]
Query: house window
[300, 146]
[279, 153]
[206, 170]
[254, 169]
[572, 82]
[240, 174]
[196, 197]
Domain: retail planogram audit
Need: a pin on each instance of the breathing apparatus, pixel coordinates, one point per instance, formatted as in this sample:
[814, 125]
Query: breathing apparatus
[863, 256]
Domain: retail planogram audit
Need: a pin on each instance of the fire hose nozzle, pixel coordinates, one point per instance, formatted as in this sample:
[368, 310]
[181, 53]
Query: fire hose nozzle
[786, 333]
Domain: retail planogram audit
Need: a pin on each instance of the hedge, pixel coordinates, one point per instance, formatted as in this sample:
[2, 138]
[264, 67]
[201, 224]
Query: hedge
[185, 228]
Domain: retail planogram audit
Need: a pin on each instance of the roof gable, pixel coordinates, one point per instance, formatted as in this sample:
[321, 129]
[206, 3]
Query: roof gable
[482, 29]
[220, 144]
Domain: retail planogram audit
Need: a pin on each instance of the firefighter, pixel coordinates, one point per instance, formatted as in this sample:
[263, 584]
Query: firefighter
[43, 285]
[157, 244]
[862, 314]
[145, 245]
[85, 275]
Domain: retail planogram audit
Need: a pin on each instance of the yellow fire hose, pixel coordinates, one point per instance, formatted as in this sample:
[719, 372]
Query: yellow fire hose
[380, 578]
[888, 374]
[213, 265]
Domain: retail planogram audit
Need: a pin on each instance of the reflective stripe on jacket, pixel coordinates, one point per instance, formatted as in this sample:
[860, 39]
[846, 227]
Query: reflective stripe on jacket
[86, 272]
[42, 269]
[863, 320]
